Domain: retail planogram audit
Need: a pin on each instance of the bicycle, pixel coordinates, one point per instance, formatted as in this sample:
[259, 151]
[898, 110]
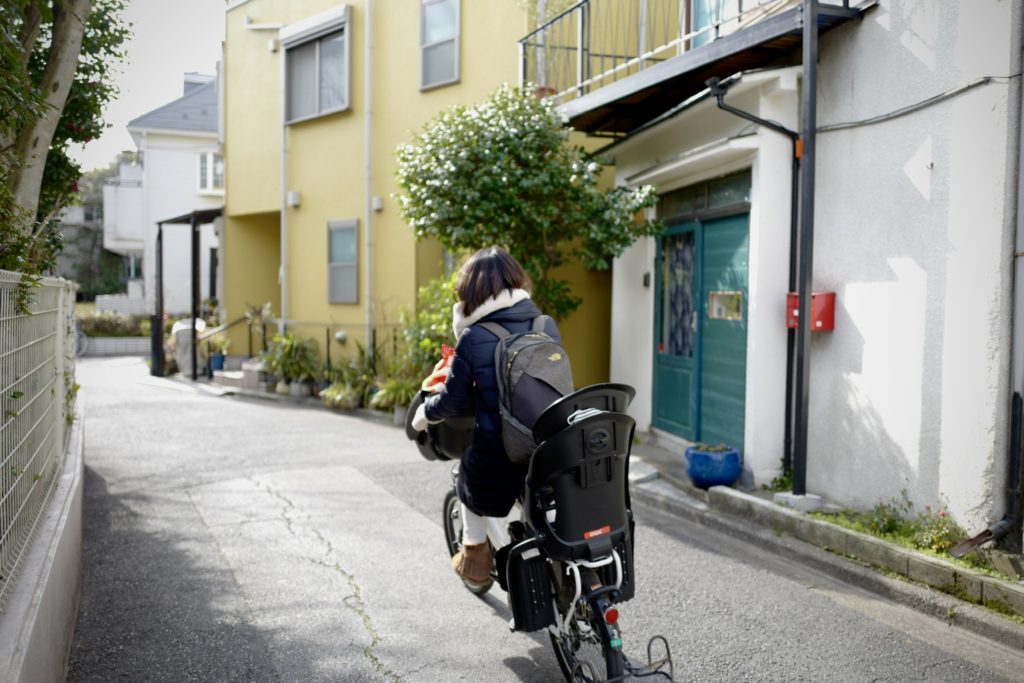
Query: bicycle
[565, 554]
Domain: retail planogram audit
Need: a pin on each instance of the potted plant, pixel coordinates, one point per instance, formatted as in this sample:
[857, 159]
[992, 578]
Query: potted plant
[358, 374]
[341, 396]
[710, 465]
[218, 346]
[273, 363]
[298, 362]
[395, 393]
[293, 361]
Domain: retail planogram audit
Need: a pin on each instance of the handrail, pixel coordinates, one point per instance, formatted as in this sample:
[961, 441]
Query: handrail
[546, 51]
[220, 328]
[553, 19]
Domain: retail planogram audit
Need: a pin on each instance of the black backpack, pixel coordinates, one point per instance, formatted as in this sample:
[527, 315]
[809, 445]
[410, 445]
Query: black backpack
[533, 372]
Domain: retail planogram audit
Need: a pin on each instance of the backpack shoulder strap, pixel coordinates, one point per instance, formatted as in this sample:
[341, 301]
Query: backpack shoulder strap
[539, 323]
[495, 329]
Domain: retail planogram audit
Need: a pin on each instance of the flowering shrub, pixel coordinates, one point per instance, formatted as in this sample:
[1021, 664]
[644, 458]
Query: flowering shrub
[936, 531]
[895, 520]
[503, 173]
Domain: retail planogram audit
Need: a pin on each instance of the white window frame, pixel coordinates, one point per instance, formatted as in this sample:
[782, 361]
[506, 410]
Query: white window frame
[312, 30]
[346, 225]
[457, 40]
[208, 161]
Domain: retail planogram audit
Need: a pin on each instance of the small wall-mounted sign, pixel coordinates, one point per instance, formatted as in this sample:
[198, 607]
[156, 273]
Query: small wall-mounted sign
[725, 305]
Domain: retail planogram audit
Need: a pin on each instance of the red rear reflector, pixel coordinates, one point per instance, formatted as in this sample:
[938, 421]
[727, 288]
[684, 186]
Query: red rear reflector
[611, 615]
[597, 532]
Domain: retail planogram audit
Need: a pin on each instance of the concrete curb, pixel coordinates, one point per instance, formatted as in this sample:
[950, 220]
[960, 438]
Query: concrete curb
[379, 416]
[852, 558]
[38, 623]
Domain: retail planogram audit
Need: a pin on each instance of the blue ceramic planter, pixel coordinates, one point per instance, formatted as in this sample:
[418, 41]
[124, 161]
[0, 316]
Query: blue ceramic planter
[712, 469]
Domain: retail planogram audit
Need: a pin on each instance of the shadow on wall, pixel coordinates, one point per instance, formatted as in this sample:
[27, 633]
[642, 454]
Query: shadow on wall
[879, 403]
[865, 465]
[884, 244]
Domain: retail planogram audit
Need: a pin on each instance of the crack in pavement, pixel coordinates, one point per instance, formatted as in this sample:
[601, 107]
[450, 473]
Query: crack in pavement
[243, 596]
[354, 601]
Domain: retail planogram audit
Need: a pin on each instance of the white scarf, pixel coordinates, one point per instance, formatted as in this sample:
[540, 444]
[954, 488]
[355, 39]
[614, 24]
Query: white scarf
[506, 298]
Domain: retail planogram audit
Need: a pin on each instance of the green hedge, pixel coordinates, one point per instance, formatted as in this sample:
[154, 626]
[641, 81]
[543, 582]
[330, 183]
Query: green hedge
[108, 324]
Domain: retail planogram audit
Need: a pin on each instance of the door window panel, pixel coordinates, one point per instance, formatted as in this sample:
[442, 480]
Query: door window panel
[678, 321]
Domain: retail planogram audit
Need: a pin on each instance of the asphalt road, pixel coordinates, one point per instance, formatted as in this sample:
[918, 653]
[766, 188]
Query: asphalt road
[240, 540]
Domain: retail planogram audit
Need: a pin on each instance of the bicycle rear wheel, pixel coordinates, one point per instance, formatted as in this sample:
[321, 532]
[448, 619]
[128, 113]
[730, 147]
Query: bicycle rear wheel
[590, 651]
[453, 536]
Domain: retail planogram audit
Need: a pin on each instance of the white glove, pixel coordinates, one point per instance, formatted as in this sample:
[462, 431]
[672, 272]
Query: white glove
[419, 420]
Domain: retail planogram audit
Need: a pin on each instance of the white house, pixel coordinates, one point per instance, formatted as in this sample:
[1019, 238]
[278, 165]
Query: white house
[181, 171]
[918, 160]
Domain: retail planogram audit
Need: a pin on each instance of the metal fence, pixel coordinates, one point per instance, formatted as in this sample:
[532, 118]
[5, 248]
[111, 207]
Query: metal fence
[596, 42]
[334, 349]
[37, 390]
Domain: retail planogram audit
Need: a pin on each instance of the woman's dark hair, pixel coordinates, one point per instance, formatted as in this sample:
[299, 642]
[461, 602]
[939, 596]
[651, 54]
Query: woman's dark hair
[486, 274]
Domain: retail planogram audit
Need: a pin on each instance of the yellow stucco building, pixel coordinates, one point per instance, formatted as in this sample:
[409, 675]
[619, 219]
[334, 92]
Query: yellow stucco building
[317, 96]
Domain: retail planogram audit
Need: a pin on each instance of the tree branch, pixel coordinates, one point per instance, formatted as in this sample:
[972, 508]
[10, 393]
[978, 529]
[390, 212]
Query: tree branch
[29, 32]
[34, 141]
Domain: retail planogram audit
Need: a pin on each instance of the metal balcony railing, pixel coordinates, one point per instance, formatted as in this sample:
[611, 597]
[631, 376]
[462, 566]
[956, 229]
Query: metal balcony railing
[596, 42]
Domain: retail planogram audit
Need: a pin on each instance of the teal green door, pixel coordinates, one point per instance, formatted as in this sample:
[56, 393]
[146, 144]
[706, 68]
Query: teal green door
[677, 319]
[701, 330]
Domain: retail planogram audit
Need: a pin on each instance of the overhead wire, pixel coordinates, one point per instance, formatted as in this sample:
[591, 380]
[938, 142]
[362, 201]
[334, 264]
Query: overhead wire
[923, 104]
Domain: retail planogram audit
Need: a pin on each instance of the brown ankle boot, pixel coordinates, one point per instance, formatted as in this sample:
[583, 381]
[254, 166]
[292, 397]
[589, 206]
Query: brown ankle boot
[474, 563]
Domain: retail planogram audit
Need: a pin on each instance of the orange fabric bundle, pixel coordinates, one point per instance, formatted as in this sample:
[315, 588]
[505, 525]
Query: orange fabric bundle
[440, 373]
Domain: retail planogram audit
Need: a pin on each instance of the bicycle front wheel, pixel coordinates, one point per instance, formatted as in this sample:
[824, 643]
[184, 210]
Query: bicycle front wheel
[589, 651]
[453, 536]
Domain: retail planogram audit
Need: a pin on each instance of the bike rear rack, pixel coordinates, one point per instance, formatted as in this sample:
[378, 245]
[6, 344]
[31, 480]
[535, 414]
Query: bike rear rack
[654, 667]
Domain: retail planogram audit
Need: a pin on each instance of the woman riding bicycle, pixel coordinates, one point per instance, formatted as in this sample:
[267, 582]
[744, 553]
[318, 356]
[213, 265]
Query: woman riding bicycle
[491, 287]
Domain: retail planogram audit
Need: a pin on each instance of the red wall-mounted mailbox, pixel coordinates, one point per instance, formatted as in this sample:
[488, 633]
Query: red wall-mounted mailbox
[823, 311]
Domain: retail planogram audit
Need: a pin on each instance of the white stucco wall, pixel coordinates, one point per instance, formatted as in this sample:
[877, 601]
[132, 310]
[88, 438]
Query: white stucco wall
[123, 219]
[913, 230]
[170, 184]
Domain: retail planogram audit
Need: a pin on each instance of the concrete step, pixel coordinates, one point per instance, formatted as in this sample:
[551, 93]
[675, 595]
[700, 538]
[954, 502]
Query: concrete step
[229, 378]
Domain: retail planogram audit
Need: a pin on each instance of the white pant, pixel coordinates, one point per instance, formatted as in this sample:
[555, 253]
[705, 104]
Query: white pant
[474, 527]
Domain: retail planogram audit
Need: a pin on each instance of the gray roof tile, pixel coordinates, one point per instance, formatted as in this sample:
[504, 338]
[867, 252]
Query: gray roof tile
[195, 111]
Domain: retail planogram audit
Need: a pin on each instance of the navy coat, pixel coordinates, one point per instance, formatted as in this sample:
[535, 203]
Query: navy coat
[489, 482]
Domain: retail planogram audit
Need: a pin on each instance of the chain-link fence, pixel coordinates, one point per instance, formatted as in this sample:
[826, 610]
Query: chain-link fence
[37, 391]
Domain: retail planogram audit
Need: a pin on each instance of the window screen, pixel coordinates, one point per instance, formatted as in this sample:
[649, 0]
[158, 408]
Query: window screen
[332, 71]
[302, 81]
[343, 261]
[439, 42]
[317, 76]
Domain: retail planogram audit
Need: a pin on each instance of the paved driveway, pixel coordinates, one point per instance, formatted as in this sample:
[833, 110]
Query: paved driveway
[240, 540]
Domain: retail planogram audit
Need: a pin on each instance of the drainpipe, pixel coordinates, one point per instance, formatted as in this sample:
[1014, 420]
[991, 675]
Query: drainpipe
[282, 273]
[803, 334]
[368, 170]
[719, 90]
[156, 321]
[194, 232]
[1011, 521]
